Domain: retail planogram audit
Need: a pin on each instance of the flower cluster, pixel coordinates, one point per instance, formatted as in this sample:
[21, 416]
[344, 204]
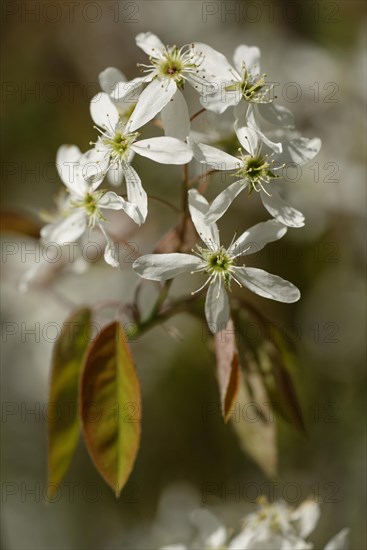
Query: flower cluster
[275, 526]
[121, 111]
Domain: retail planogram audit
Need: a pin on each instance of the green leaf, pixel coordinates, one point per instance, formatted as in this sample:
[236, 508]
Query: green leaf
[111, 406]
[228, 369]
[63, 425]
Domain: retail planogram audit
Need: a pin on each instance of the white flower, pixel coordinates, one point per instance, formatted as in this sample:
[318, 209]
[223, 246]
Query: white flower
[256, 169]
[275, 526]
[219, 264]
[279, 527]
[82, 174]
[48, 266]
[117, 145]
[244, 83]
[124, 94]
[211, 533]
[169, 69]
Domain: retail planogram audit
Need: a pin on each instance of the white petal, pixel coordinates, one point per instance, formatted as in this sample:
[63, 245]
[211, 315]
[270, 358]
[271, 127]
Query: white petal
[160, 267]
[339, 542]
[215, 64]
[109, 78]
[212, 532]
[242, 540]
[115, 175]
[224, 200]
[151, 101]
[110, 251]
[174, 547]
[253, 123]
[306, 517]
[67, 230]
[67, 161]
[135, 191]
[267, 285]
[149, 43]
[281, 210]
[276, 114]
[104, 112]
[217, 306]
[222, 99]
[166, 150]
[93, 166]
[128, 92]
[300, 150]
[213, 157]
[110, 255]
[31, 276]
[248, 138]
[175, 117]
[111, 201]
[258, 236]
[199, 207]
[248, 55]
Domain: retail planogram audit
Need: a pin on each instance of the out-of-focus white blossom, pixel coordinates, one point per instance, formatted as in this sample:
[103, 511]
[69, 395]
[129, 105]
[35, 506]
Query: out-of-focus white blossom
[275, 526]
[82, 174]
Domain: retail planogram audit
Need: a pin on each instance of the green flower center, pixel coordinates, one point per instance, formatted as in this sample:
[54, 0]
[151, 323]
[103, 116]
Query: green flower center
[252, 88]
[173, 63]
[120, 144]
[257, 170]
[90, 204]
[219, 263]
[91, 207]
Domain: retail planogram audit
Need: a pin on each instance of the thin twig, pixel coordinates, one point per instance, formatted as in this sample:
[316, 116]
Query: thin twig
[197, 114]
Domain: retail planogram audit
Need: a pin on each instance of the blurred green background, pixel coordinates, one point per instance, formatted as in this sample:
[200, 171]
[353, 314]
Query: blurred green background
[51, 56]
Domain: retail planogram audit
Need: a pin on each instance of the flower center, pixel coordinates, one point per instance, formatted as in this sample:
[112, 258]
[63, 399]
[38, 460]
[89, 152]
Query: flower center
[219, 264]
[90, 205]
[174, 63]
[119, 145]
[252, 87]
[257, 170]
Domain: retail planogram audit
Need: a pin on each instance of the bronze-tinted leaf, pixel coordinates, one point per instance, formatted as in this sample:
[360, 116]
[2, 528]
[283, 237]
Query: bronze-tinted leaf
[227, 367]
[63, 422]
[254, 424]
[17, 222]
[279, 384]
[253, 419]
[275, 361]
[110, 406]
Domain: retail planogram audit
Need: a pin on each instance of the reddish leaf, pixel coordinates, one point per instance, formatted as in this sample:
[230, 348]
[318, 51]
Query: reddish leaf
[227, 367]
[110, 406]
[255, 428]
[16, 222]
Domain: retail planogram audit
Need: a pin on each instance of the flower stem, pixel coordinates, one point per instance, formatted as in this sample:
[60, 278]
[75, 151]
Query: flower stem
[189, 305]
[197, 114]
